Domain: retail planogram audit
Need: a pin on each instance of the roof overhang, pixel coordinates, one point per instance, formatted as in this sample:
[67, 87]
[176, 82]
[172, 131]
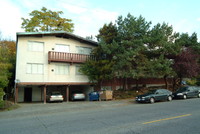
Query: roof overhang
[60, 34]
[52, 83]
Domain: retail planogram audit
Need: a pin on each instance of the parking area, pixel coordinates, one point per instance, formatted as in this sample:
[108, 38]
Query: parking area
[38, 108]
[36, 93]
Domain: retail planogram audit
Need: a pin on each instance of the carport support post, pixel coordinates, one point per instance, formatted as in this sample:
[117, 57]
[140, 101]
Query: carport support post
[45, 93]
[67, 93]
[16, 93]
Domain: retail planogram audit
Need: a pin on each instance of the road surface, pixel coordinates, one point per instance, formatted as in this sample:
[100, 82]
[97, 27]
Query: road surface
[126, 117]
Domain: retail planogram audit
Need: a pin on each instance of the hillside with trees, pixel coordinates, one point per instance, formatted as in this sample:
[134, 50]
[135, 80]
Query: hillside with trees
[7, 66]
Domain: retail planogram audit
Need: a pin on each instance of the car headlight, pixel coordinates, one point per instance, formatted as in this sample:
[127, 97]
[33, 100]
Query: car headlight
[180, 94]
[143, 97]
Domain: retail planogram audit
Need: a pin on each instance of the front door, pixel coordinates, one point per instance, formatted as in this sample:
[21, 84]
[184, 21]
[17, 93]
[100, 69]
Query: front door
[191, 92]
[160, 95]
[27, 94]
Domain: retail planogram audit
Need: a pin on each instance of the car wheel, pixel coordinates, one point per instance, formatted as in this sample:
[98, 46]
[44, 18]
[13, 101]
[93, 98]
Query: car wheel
[184, 96]
[169, 98]
[152, 100]
[199, 95]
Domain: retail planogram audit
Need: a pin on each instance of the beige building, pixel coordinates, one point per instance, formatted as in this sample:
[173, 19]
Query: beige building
[48, 61]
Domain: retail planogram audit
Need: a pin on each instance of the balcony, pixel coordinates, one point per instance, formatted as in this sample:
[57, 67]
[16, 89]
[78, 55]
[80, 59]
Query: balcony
[68, 57]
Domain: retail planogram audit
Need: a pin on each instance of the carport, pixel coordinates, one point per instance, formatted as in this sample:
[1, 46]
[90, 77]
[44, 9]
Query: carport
[25, 92]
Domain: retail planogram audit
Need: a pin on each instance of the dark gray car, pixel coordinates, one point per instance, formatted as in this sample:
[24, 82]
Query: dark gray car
[155, 95]
[187, 92]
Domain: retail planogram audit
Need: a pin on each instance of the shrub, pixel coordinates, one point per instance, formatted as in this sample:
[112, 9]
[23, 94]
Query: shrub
[119, 94]
[191, 82]
[7, 105]
[1, 94]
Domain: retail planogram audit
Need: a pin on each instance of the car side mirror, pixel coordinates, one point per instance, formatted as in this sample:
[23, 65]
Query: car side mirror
[157, 93]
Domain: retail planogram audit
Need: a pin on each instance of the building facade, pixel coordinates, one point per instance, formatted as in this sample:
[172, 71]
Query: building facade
[50, 61]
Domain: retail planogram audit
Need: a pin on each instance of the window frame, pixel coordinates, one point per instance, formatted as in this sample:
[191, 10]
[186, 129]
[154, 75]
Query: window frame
[35, 68]
[32, 47]
[76, 70]
[60, 50]
[62, 67]
[78, 48]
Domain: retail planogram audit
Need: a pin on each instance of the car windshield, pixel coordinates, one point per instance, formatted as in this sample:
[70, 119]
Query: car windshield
[182, 89]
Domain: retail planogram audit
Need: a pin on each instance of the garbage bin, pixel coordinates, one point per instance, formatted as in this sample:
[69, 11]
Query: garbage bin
[94, 96]
[106, 95]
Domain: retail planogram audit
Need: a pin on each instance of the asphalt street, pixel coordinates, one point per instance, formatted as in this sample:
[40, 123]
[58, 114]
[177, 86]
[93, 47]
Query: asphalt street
[112, 117]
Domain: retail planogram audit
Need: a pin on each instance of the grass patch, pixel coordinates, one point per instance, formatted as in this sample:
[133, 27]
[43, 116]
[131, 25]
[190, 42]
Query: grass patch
[7, 106]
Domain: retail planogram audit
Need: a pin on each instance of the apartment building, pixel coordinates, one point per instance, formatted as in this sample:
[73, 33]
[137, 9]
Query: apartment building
[50, 61]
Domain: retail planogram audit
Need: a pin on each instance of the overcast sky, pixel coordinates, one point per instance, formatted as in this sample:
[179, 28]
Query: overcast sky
[89, 16]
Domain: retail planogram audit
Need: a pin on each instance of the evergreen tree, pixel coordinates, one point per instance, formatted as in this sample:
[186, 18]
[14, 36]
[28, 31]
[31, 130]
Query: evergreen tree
[161, 47]
[130, 60]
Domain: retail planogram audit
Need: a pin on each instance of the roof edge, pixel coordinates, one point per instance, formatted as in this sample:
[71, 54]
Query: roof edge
[77, 37]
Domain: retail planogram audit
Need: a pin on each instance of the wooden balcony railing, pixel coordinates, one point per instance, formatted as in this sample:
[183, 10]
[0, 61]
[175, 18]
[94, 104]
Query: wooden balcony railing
[68, 57]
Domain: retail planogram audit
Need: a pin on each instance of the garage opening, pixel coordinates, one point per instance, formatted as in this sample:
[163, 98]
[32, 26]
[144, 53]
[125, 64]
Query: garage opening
[27, 94]
[85, 89]
[68, 90]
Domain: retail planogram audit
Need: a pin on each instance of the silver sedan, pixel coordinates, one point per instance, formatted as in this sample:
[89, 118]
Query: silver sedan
[55, 96]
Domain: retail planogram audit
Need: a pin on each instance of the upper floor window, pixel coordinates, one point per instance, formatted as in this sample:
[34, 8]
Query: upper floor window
[35, 46]
[78, 72]
[62, 48]
[34, 68]
[62, 69]
[84, 50]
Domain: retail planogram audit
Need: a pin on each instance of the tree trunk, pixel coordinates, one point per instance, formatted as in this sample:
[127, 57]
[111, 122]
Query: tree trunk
[174, 83]
[166, 83]
[124, 83]
[137, 84]
[180, 82]
[100, 85]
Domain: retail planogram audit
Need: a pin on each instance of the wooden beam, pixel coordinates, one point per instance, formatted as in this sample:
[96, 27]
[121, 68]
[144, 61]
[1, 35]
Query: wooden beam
[67, 93]
[16, 93]
[41, 93]
[45, 93]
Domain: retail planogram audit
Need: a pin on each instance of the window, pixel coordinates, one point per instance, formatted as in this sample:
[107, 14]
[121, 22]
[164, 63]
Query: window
[78, 70]
[35, 46]
[62, 48]
[34, 68]
[84, 50]
[159, 92]
[62, 69]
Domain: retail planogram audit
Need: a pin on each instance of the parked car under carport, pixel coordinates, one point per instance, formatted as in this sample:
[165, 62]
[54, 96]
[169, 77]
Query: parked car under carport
[55, 96]
[78, 96]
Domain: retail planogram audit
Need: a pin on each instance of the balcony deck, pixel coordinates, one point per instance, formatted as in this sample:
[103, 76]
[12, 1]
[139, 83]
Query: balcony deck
[68, 57]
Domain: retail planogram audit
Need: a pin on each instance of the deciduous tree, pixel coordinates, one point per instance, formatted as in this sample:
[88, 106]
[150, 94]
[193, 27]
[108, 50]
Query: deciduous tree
[7, 65]
[186, 64]
[47, 20]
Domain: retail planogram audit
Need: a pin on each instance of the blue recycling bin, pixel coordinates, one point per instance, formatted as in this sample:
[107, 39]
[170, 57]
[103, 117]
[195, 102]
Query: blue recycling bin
[94, 96]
